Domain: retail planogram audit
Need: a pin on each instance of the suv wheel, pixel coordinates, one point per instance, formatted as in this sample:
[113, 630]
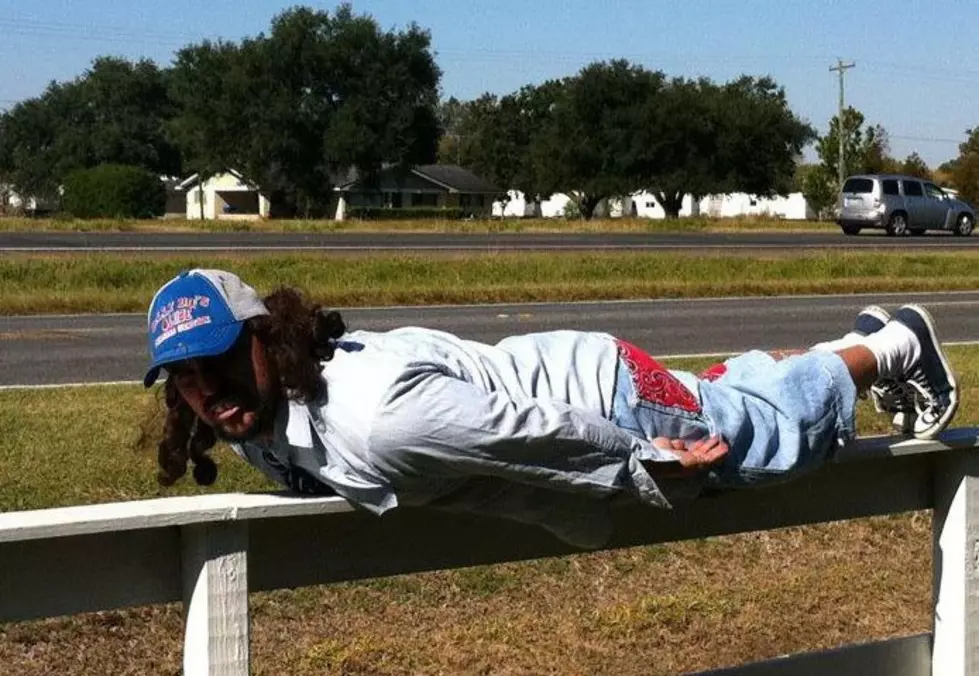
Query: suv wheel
[898, 225]
[851, 229]
[964, 225]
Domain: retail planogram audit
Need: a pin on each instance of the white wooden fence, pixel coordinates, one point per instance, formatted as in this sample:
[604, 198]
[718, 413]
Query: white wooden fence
[211, 551]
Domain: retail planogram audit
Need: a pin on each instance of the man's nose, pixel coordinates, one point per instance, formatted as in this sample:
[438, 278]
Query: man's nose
[208, 381]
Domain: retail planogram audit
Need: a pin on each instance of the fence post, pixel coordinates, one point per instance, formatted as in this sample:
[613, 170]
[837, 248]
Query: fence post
[215, 582]
[955, 650]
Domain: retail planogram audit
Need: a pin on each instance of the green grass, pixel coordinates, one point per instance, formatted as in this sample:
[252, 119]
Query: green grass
[32, 284]
[662, 609]
[746, 224]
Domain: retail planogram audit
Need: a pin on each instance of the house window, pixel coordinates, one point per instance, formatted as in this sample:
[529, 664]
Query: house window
[424, 199]
[650, 205]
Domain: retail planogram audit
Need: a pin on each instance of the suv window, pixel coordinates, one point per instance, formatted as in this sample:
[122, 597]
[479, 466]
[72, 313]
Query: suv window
[858, 185]
[933, 190]
[912, 189]
[889, 187]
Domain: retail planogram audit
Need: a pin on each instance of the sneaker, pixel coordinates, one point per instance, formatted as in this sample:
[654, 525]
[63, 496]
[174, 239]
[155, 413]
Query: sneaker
[936, 392]
[889, 396]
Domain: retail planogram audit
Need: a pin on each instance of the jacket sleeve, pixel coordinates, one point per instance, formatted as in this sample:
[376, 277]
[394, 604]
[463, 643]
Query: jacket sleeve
[286, 475]
[436, 427]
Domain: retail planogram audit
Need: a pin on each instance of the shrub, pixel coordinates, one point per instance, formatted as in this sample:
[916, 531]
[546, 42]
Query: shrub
[406, 213]
[114, 191]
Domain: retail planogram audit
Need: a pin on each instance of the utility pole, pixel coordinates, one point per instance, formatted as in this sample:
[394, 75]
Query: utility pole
[841, 162]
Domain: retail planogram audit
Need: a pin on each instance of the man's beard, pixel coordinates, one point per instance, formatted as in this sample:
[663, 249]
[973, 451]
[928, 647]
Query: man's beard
[264, 409]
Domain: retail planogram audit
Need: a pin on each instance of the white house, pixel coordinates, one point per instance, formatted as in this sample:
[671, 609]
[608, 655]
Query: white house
[227, 195]
[10, 200]
[518, 206]
[789, 207]
[647, 205]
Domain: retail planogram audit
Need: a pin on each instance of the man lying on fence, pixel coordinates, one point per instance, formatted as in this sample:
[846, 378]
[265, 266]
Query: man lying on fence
[542, 428]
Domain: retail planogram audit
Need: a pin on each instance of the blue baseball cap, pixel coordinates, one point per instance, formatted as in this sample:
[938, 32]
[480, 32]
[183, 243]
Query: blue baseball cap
[198, 313]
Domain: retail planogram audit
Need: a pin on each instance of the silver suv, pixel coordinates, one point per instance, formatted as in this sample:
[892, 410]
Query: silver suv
[901, 205]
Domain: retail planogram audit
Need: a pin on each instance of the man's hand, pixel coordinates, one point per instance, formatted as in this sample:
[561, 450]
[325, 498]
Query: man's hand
[692, 456]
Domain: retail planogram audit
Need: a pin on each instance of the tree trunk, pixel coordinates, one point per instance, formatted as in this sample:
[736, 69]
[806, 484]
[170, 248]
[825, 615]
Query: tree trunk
[536, 210]
[671, 202]
[587, 204]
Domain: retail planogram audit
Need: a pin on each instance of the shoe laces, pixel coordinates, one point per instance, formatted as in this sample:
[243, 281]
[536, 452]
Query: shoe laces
[926, 401]
[892, 395]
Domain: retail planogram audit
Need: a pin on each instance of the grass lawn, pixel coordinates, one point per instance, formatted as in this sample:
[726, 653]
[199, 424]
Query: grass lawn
[530, 225]
[32, 284]
[663, 609]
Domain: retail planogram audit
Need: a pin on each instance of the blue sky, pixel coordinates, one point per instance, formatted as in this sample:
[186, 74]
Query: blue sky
[917, 63]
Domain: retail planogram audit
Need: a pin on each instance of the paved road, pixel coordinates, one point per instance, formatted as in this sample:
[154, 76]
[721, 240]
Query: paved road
[246, 241]
[47, 350]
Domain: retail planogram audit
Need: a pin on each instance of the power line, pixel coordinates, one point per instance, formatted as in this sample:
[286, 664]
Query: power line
[61, 27]
[924, 139]
[33, 27]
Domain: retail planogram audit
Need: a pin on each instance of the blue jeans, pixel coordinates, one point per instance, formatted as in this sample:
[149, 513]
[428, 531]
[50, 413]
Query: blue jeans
[780, 418]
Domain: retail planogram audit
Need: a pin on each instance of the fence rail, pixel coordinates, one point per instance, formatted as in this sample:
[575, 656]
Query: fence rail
[211, 551]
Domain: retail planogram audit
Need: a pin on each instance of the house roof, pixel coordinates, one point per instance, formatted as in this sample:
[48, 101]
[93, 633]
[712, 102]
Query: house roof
[191, 181]
[456, 178]
[448, 177]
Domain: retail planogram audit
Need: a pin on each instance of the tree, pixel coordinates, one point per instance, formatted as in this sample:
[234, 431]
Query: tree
[453, 118]
[876, 152]
[679, 137]
[114, 191]
[588, 147]
[318, 96]
[115, 112]
[913, 165]
[865, 150]
[701, 138]
[964, 169]
[128, 110]
[488, 142]
[943, 173]
[818, 186]
[495, 136]
[209, 83]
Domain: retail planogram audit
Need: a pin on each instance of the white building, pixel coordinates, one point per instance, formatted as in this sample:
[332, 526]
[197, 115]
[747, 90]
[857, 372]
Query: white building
[647, 205]
[12, 201]
[228, 195]
[790, 207]
[519, 206]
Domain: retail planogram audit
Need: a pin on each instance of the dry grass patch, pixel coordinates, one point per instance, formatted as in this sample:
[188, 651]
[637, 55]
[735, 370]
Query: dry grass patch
[493, 225]
[124, 283]
[663, 609]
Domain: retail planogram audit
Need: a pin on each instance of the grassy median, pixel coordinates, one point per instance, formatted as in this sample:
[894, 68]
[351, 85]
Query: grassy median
[31, 284]
[661, 609]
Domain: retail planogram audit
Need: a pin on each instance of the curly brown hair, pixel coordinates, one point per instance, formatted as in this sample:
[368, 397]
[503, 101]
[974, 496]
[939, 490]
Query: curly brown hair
[298, 336]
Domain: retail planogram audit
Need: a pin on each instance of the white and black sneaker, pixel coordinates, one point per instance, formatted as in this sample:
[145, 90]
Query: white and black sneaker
[889, 396]
[932, 379]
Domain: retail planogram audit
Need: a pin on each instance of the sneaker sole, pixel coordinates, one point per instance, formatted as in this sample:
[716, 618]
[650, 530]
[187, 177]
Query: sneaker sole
[953, 396]
[877, 312]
